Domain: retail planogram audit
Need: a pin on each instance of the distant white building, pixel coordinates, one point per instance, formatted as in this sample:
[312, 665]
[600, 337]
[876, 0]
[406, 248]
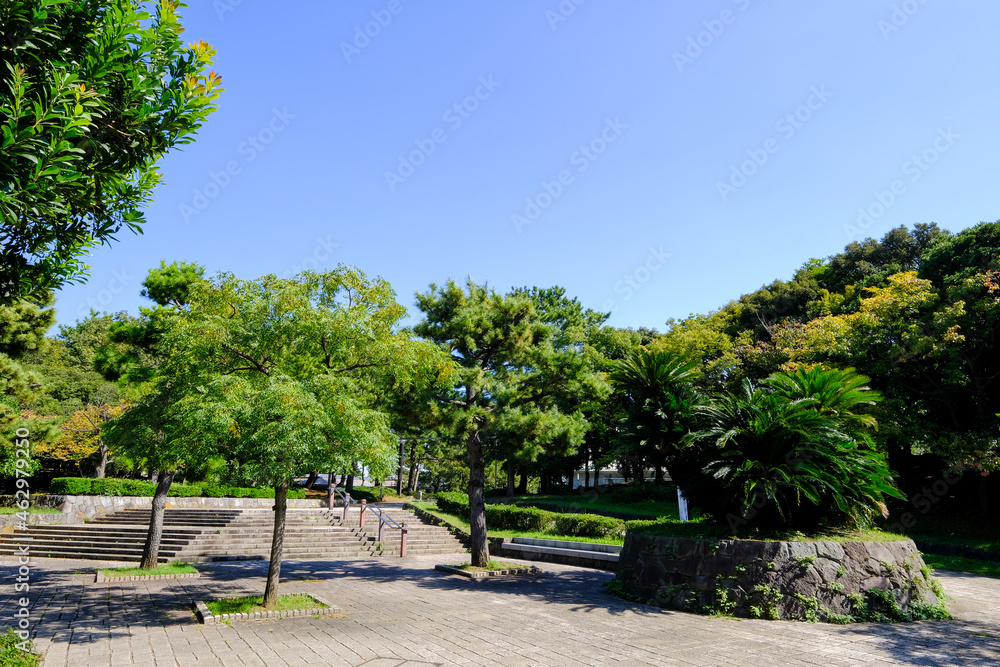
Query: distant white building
[606, 476]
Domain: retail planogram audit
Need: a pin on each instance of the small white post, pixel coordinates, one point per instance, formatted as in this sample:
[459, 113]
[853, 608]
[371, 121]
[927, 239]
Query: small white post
[682, 506]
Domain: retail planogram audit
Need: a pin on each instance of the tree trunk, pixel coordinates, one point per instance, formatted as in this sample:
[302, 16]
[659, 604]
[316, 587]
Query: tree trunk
[155, 533]
[414, 478]
[477, 505]
[102, 465]
[543, 483]
[522, 485]
[510, 478]
[311, 482]
[413, 460]
[659, 474]
[349, 485]
[586, 475]
[277, 544]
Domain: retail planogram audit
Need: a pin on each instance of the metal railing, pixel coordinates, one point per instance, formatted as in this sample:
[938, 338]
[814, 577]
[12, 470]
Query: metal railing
[383, 518]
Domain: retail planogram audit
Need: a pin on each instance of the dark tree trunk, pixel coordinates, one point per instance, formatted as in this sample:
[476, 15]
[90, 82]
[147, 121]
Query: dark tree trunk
[155, 533]
[413, 461]
[437, 484]
[510, 478]
[586, 475]
[311, 482]
[477, 505]
[277, 544]
[543, 483]
[522, 485]
[349, 486]
[659, 474]
[102, 462]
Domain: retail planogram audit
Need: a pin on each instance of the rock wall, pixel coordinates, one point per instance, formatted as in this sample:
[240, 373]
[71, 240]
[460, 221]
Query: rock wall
[827, 581]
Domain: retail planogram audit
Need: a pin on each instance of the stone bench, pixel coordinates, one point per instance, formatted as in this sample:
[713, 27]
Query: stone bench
[581, 554]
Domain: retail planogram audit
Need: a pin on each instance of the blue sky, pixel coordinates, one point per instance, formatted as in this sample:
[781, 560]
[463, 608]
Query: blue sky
[656, 159]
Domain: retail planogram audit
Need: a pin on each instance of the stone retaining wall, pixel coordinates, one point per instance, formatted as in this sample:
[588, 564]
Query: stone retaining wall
[788, 580]
[87, 507]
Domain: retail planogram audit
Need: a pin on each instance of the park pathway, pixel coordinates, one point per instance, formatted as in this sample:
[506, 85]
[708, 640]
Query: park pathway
[400, 612]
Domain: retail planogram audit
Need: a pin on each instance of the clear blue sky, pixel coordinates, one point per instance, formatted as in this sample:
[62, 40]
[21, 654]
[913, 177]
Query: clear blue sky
[642, 108]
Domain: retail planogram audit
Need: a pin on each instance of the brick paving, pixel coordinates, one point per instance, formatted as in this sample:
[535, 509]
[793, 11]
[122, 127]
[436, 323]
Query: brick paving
[401, 612]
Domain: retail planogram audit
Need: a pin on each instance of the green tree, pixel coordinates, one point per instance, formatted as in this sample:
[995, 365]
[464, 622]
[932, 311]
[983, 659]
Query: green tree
[283, 376]
[93, 95]
[518, 378]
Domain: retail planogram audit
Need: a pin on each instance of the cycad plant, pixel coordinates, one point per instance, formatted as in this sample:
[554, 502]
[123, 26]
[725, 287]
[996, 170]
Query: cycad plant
[791, 455]
[661, 395]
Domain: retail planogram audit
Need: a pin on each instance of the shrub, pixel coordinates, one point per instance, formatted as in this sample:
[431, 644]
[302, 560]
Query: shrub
[589, 525]
[12, 656]
[296, 494]
[217, 491]
[511, 517]
[70, 486]
[112, 486]
[453, 503]
[637, 493]
[185, 490]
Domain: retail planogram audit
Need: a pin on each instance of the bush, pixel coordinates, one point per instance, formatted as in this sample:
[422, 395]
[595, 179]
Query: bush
[637, 493]
[111, 486]
[511, 517]
[266, 492]
[185, 490]
[296, 494]
[453, 502]
[11, 655]
[589, 525]
[70, 486]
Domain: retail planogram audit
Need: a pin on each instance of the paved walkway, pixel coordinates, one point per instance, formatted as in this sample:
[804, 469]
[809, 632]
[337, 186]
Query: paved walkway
[400, 612]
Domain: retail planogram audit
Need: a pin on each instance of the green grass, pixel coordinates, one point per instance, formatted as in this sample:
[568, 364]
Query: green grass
[12, 656]
[654, 509]
[256, 603]
[704, 529]
[32, 510]
[462, 523]
[972, 532]
[987, 568]
[492, 566]
[163, 568]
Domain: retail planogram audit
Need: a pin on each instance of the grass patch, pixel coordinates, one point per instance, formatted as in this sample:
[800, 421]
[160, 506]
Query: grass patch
[162, 568]
[974, 532]
[31, 510]
[255, 603]
[702, 528]
[12, 656]
[959, 564]
[462, 523]
[654, 509]
[493, 566]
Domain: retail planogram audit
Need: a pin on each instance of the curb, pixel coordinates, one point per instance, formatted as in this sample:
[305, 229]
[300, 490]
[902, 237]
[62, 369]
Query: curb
[100, 578]
[515, 572]
[206, 616]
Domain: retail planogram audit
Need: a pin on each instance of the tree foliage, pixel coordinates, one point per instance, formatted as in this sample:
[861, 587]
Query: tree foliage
[93, 95]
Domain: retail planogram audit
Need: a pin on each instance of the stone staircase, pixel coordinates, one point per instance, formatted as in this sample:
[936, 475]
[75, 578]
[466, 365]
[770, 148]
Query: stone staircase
[422, 538]
[198, 535]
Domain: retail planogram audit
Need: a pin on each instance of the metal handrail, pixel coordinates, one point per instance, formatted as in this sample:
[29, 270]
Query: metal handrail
[383, 518]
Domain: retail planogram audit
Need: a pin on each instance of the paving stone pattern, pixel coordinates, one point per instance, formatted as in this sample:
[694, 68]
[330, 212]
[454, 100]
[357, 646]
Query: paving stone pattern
[400, 612]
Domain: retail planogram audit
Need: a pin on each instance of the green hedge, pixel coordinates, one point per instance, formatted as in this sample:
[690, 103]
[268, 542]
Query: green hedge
[111, 486]
[531, 519]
